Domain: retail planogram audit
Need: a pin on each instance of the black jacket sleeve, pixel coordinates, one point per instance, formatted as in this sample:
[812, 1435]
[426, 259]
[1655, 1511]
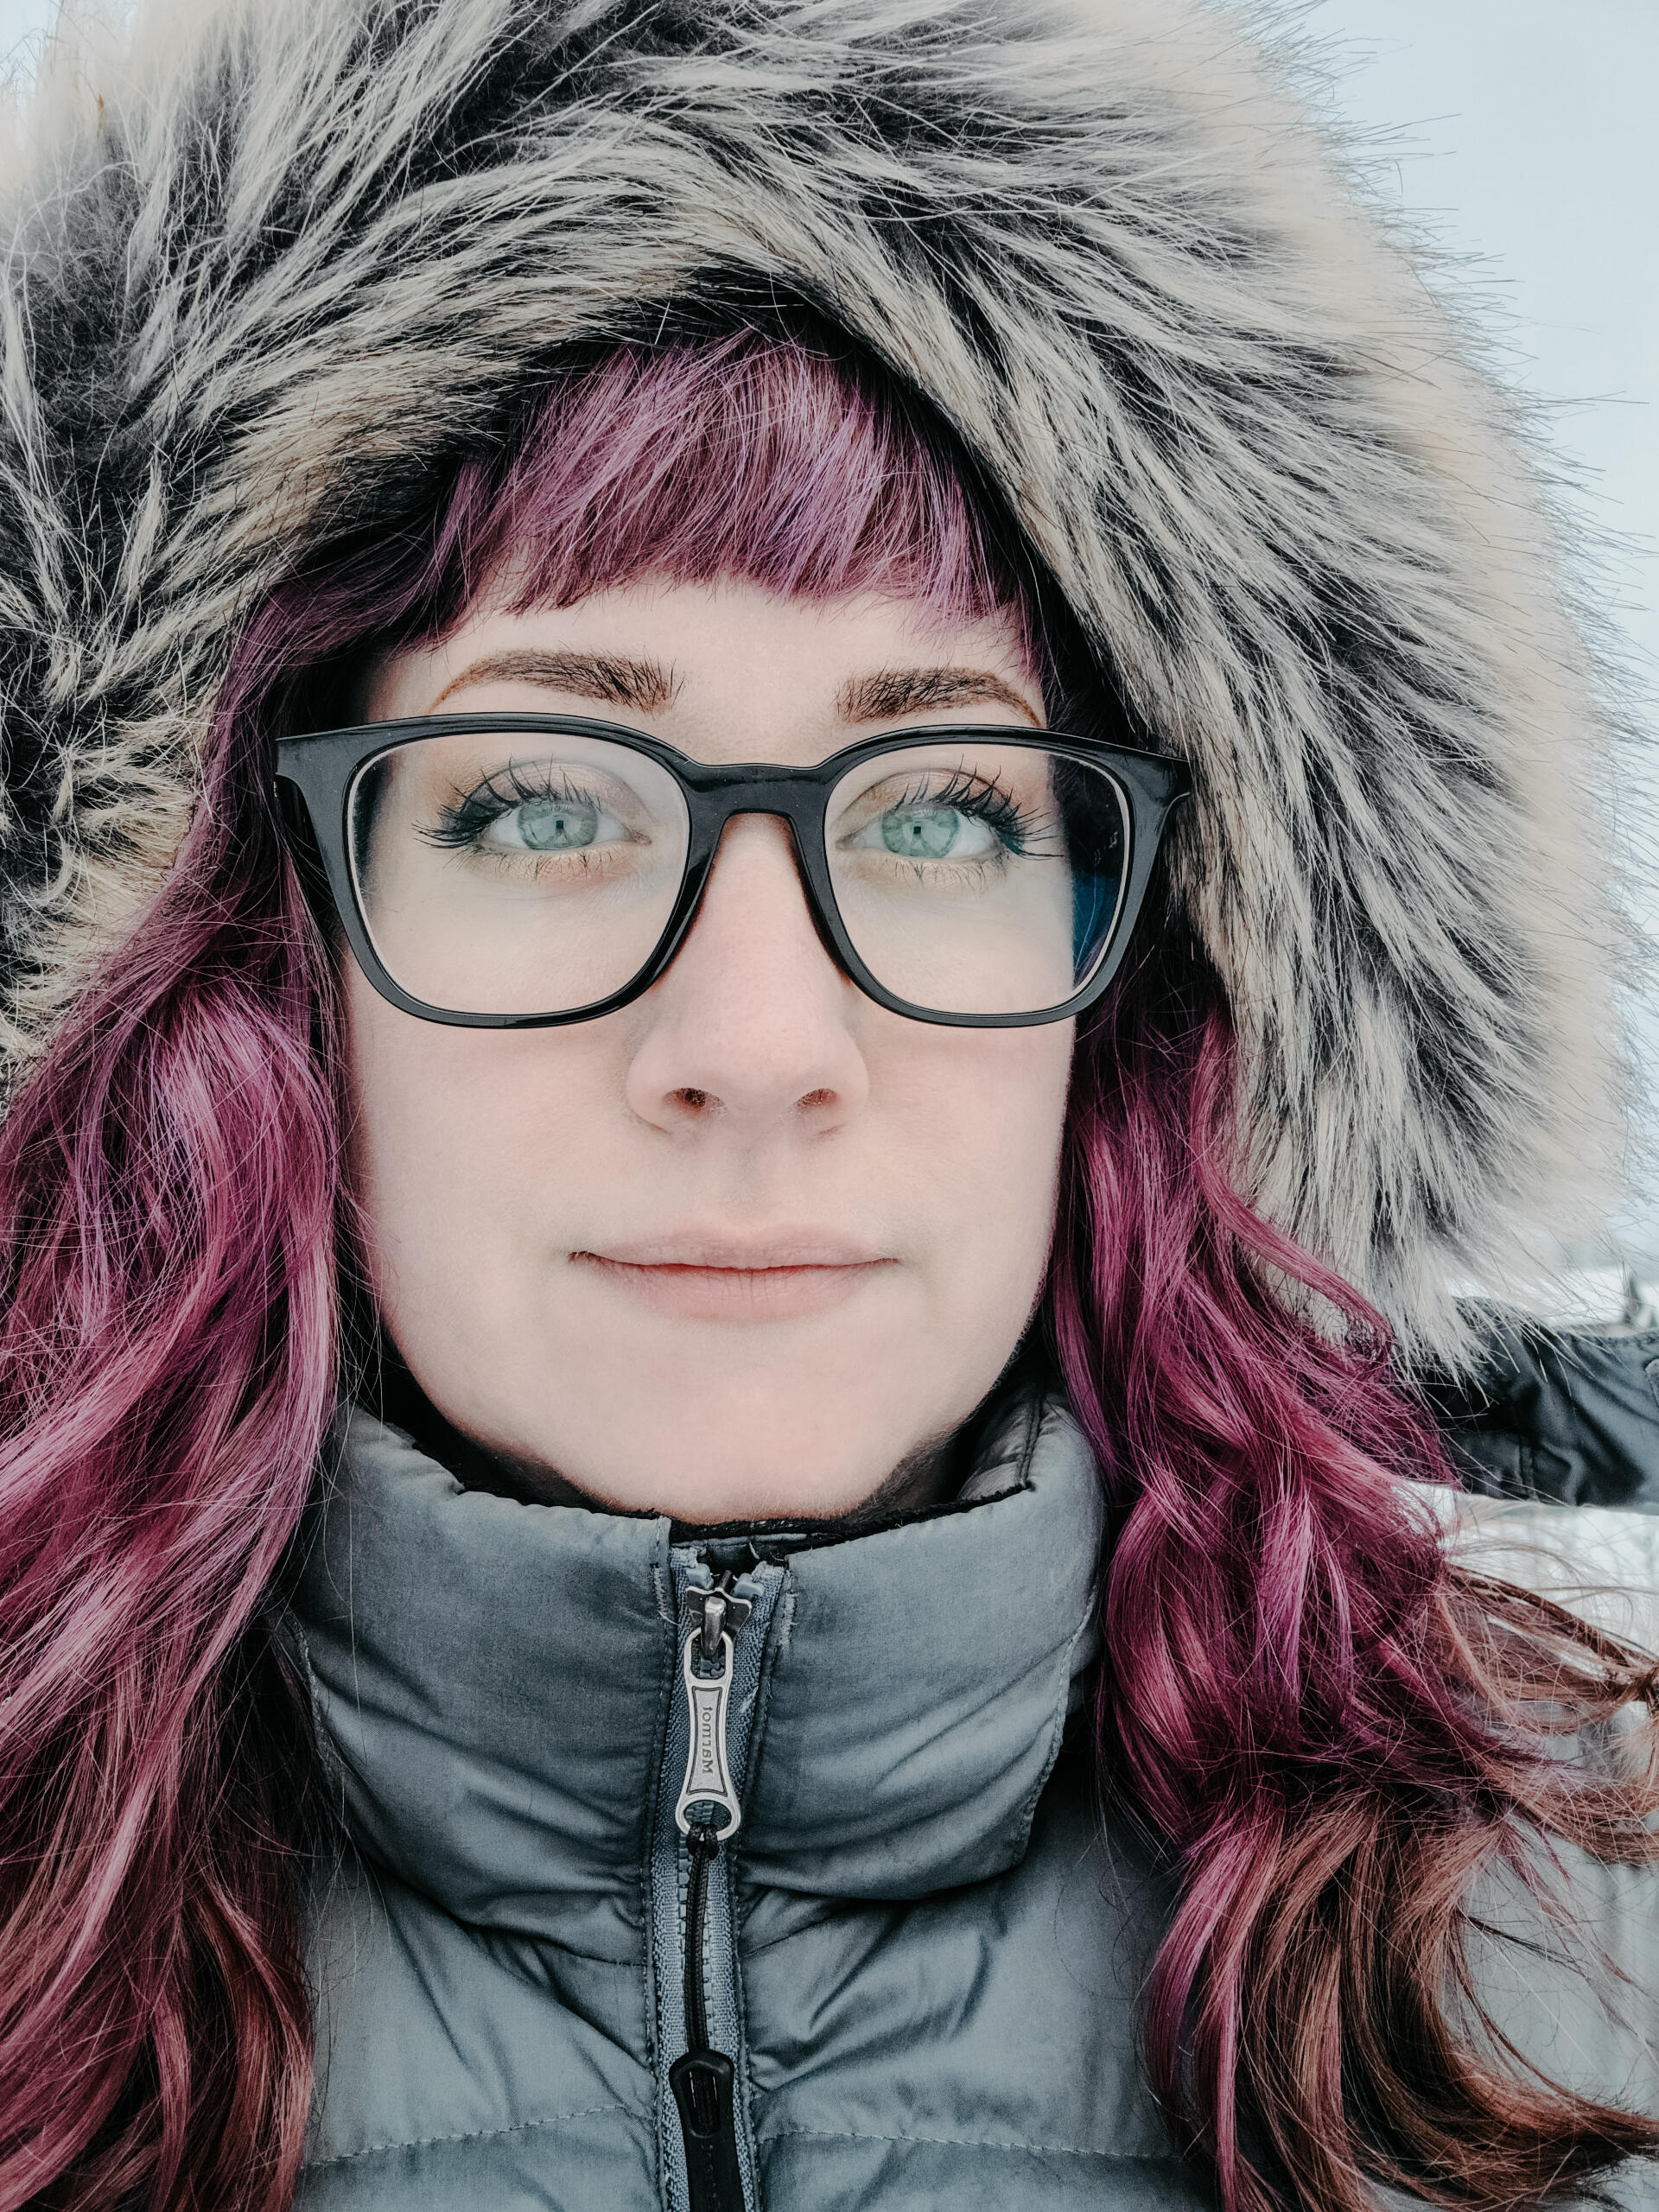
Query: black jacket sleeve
[1568, 1416]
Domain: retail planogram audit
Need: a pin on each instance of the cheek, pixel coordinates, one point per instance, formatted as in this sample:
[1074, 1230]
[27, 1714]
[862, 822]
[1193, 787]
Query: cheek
[1037, 1085]
[456, 1135]
[405, 1162]
[989, 1123]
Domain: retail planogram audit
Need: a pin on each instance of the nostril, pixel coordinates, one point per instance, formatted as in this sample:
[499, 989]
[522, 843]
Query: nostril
[814, 1101]
[694, 1102]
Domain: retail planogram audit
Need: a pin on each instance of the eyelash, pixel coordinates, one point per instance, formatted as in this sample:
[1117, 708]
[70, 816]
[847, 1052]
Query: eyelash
[462, 825]
[986, 801]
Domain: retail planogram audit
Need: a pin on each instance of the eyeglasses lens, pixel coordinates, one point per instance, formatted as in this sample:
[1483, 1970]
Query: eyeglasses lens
[978, 877]
[535, 875]
[521, 877]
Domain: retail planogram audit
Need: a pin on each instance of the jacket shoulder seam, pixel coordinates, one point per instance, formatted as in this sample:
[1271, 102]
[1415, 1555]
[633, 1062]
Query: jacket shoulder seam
[973, 2143]
[469, 2135]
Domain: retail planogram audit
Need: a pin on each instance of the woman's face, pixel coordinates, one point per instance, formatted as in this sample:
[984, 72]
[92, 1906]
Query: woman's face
[752, 1246]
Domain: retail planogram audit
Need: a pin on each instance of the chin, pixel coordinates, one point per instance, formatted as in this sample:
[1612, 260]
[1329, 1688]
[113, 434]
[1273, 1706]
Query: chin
[701, 1440]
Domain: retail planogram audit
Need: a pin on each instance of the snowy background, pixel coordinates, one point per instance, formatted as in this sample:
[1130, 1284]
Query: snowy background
[1521, 133]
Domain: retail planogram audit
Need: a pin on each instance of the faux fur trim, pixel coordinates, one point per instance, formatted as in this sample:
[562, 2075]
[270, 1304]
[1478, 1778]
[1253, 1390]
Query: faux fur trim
[266, 261]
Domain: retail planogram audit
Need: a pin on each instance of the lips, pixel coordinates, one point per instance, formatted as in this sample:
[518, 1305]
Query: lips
[777, 1248]
[784, 1276]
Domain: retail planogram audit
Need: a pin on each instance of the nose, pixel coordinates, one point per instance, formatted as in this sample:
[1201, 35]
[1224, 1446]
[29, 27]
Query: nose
[752, 1026]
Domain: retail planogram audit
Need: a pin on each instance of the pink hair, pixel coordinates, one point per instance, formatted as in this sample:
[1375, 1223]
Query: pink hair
[167, 1357]
[1329, 1728]
[1317, 1717]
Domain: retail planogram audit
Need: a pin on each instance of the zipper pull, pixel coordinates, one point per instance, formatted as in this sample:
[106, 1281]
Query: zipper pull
[702, 2083]
[707, 1778]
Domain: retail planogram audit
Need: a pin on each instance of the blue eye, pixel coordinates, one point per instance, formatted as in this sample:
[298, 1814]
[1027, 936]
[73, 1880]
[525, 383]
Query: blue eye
[931, 833]
[552, 825]
[523, 819]
[939, 816]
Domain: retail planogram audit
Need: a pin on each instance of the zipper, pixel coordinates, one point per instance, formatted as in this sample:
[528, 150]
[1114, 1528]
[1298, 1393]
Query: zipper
[707, 2149]
[707, 1815]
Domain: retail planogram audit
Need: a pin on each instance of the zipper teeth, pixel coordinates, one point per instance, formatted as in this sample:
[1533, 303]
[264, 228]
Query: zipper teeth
[704, 1848]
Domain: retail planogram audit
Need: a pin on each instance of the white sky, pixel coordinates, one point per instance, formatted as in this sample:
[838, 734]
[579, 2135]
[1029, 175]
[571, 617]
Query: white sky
[1524, 131]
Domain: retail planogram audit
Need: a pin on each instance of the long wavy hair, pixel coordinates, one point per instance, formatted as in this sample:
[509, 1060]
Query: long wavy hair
[1330, 1728]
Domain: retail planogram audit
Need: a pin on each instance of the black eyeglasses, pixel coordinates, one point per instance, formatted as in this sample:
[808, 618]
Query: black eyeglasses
[505, 871]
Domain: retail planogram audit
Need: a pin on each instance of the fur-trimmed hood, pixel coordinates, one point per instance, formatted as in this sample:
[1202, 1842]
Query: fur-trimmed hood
[269, 263]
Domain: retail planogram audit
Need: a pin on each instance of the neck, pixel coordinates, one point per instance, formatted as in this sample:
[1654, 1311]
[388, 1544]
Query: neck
[930, 1474]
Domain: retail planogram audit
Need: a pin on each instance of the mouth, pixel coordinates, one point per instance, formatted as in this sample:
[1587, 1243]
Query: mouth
[778, 1278]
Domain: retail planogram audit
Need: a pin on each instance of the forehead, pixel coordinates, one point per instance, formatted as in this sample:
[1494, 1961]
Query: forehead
[715, 667]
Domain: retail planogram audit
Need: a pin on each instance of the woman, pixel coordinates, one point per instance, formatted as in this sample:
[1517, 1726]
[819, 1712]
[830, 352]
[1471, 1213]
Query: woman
[704, 1501]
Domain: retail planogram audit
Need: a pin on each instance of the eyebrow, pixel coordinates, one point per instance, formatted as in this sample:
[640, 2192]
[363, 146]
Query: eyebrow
[891, 692]
[643, 685]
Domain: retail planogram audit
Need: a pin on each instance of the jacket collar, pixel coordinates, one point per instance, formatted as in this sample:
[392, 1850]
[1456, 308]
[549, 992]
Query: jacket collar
[491, 1681]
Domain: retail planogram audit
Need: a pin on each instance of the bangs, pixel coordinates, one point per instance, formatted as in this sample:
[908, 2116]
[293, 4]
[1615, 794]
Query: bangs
[745, 457]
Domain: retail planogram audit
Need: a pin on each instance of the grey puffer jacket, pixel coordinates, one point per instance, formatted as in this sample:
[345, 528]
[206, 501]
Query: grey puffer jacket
[923, 1950]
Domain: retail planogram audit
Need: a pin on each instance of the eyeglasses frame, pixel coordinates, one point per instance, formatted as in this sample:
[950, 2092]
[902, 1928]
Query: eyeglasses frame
[320, 768]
